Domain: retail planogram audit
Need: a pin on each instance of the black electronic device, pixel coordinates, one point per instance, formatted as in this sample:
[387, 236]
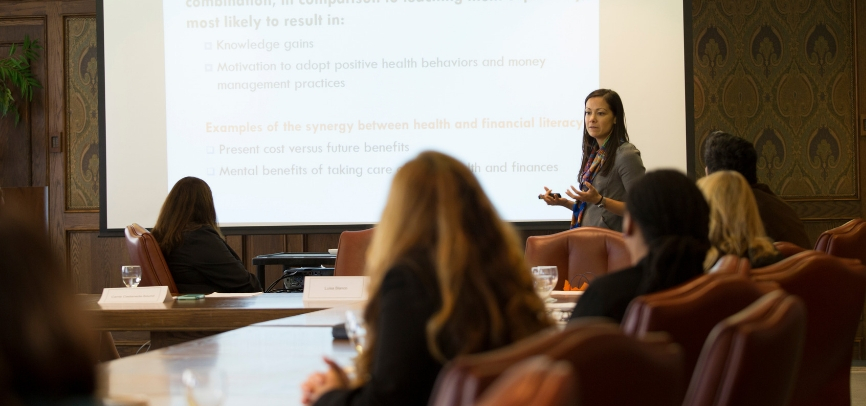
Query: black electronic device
[293, 278]
[556, 195]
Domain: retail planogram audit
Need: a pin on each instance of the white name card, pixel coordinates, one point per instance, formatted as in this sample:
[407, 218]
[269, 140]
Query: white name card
[335, 288]
[149, 294]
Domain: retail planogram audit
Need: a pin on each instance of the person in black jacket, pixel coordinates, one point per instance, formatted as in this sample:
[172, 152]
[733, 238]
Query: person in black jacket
[193, 245]
[447, 278]
[666, 230]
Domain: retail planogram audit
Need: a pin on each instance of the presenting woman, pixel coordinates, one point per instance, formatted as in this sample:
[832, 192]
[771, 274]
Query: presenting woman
[446, 278]
[610, 166]
[194, 248]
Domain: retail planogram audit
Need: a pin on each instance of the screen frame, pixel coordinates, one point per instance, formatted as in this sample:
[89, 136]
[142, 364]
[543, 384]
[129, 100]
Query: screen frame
[104, 231]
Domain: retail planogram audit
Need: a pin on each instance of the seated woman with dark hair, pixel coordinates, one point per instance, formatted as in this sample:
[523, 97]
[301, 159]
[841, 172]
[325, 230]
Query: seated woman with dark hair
[447, 278]
[735, 223]
[195, 250]
[665, 228]
[47, 354]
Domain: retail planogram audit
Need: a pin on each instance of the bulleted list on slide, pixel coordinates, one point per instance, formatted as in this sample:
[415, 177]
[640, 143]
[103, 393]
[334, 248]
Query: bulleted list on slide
[329, 97]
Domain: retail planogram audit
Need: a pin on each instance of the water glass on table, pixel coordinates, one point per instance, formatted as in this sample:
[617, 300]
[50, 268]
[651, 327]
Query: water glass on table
[356, 329]
[205, 387]
[544, 279]
[131, 275]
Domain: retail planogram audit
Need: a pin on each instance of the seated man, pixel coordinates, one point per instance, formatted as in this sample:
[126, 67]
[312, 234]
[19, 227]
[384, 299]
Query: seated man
[723, 151]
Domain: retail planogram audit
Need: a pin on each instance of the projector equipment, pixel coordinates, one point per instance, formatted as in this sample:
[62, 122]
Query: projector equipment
[293, 278]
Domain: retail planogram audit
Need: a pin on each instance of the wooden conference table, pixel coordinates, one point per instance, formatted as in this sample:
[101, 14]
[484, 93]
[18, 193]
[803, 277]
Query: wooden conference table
[264, 363]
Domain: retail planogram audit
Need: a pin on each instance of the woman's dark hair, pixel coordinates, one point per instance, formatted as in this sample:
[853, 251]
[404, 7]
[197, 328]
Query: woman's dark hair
[674, 220]
[189, 205]
[47, 353]
[726, 152]
[618, 133]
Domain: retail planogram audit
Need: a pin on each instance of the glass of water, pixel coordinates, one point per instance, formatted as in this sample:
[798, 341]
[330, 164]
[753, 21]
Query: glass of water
[131, 275]
[544, 279]
[356, 329]
[205, 387]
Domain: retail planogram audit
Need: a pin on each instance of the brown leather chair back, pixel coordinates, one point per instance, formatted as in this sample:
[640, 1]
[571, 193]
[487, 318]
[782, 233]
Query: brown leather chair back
[144, 251]
[610, 367]
[788, 248]
[352, 252]
[574, 252]
[845, 241]
[833, 290]
[690, 311]
[752, 357]
[732, 264]
[537, 381]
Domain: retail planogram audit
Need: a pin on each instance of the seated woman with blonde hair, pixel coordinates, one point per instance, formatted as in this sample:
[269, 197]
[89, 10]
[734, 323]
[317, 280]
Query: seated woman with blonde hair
[735, 224]
[447, 278]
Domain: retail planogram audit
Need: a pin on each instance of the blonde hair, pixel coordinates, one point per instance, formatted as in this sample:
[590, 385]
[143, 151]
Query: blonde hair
[437, 211]
[735, 223]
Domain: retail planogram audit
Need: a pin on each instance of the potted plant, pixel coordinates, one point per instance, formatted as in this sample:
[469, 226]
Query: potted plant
[15, 73]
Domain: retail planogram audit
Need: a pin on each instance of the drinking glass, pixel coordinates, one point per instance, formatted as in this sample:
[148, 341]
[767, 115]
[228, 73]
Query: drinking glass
[205, 387]
[544, 279]
[131, 275]
[356, 329]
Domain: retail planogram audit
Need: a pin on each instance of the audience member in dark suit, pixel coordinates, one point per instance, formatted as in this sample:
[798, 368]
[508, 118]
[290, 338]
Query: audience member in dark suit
[447, 278]
[735, 224]
[194, 248]
[47, 352]
[723, 151]
[666, 228]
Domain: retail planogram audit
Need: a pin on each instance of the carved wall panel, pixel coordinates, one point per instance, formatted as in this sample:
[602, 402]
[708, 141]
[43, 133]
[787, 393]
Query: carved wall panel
[779, 73]
[82, 115]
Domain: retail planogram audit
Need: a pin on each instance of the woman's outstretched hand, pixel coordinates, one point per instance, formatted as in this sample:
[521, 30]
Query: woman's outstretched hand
[590, 196]
[552, 200]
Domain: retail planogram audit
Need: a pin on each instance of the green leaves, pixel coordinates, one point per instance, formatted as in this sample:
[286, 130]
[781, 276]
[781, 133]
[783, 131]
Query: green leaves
[15, 73]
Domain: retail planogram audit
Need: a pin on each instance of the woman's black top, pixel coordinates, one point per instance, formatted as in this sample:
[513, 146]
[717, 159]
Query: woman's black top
[403, 371]
[204, 263]
[609, 295]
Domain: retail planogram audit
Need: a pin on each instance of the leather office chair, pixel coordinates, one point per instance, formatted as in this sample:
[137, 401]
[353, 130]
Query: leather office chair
[537, 381]
[732, 264]
[144, 251]
[690, 311]
[575, 252]
[833, 290]
[352, 252]
[845, 241]
[752, 357]
[610, 367]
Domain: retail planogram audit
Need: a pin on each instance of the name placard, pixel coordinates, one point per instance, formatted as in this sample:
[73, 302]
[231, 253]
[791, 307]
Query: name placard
[149, 294]
[335, 288]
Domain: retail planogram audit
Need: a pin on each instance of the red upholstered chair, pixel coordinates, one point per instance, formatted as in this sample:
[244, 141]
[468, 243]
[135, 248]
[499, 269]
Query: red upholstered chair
[690, 311]
[352, 252]
[752, 357]
[574, 252]
[787, 249]
[144, 251]
[611, 368]
[732, 264]
[833, 290]
[845, 241]
[537, 381]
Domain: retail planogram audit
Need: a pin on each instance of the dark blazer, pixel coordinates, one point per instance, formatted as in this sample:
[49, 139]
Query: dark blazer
[204, 263]
[627, 169]
[609, 295]
[780, 221]
[403, 371]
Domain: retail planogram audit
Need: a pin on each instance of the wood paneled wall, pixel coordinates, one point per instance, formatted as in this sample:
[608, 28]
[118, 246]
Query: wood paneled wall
[94, 263]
